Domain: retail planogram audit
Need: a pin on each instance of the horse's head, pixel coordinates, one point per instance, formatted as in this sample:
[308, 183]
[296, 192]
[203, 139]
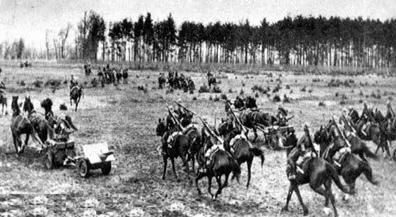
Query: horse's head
[238, 103]
[46, 104]
[250, 102]
[161, 127]
[28, 105]
[225, 126]
[14, 104]
[321, 136]
[288, 140]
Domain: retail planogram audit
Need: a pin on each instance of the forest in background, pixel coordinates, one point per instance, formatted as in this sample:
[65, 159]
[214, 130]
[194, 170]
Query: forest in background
[293, 41]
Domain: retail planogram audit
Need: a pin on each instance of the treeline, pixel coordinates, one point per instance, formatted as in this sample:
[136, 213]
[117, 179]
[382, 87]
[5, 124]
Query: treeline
[301, 41]
[296, 40]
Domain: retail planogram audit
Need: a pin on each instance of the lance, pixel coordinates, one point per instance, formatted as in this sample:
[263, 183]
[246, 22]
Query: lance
[175, 119]
[339, 130]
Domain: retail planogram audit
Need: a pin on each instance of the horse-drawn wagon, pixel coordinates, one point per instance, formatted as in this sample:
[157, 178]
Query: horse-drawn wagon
[64, 152]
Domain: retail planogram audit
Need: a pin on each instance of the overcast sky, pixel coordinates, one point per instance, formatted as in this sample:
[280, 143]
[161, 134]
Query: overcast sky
[29, 19]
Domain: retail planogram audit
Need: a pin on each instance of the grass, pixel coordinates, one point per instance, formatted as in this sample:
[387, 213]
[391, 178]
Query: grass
[126, 117]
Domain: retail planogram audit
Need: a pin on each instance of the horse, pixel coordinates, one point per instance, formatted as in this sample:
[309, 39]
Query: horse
[349, 166]
[161, 81]
[177, 147]
[87, 69]
[372, 132]
[387, 127]
[318, 173]
[125, 76]
[21, 125]
[354, 115]
[211, 81]
[252, 118]
[40, 124]
[239, 103]
[75, 95]
[220, 163]
[239, 147]
[118, 76]
[358, 146]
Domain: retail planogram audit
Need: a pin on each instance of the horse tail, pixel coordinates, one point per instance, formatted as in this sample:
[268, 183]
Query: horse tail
[369, 153]
[258, 152]
[334, 175]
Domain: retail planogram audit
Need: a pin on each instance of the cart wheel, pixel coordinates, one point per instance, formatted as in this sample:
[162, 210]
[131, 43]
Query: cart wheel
[83, 167]
[394, 155]
[106, 168]
[49, 160]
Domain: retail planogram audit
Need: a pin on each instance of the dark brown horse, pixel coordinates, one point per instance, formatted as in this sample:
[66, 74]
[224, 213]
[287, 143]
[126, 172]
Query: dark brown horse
[221, 164]
[178, 147]
[21, 125]
[75, 95]
[317, 173]
[239, 147]
[252, 118]
[40, 124]
[372, 132]
[349, 166]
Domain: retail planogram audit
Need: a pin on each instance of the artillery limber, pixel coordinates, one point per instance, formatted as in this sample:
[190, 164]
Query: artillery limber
[62, 151]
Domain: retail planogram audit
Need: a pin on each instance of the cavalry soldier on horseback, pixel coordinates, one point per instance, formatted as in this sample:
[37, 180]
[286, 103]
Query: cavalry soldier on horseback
[282, 116]
[303, 150]
[73, 81]
[390, 114]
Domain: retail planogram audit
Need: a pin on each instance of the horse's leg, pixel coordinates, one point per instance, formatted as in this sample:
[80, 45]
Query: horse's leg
[255, 134]
[249, 168]
[246, 133]
[305, 209]
[210, 186]
[26, 143]
[16, 143]
[227, 175]
[185, 162]
[289, 194]
[330, 196]
[165, 165]
[387, 148]
[220, 187]
[173, 166]
[328, 189]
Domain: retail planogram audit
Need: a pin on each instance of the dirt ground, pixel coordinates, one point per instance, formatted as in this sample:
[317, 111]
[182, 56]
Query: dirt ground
[125, 118]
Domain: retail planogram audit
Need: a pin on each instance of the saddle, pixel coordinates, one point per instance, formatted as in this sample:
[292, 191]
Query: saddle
[303, 160]
[188, 128]
[211, 151]
[171, 138]
[235, 139]
[365, 127]
[340, 155]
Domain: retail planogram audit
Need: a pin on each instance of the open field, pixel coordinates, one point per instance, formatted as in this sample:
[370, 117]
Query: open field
[126, 117]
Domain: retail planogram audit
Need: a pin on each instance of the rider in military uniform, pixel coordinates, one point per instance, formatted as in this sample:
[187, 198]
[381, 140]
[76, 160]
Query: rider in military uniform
[301, 150]
[390, 114]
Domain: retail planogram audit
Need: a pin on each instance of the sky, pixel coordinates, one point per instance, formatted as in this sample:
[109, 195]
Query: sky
[29, 19]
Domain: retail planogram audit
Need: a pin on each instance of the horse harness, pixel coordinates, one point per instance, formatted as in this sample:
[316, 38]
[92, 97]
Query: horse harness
[340, 155]
[234, 140]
